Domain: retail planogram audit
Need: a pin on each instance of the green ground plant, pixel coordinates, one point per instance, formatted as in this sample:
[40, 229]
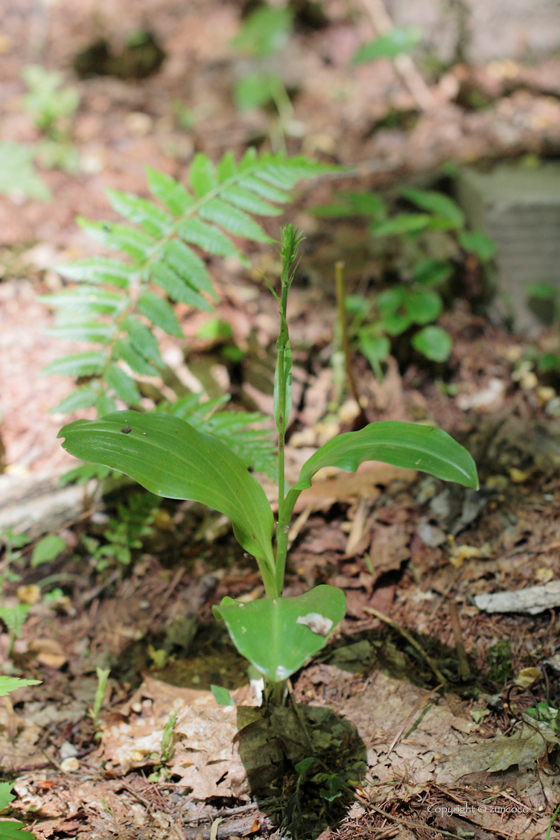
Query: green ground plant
[52, 107]
[170, 458]
[12, 829]
[167, 240]
[420, 247]
[263, 33]
[124, 533]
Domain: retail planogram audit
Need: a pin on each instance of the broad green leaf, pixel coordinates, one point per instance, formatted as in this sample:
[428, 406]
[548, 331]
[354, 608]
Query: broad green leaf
[233, 220]
[169, 191]
[47, 549]
[401, 224]
[140, 211]
[6, 795]
[432, 272]
[279, 635]
[202, 175]
[398, 40]
[17, 173]
[136, 360]
[97, 270]
[208, 237]
[222, 695]
[188, 265]
[434, 343]
[8, 684]
[436, 202]
[478, 243]
[10, 830]
[79, 364]
[172, 459]
[160, 313]
[375, 348]
[423, 305]
[177, 288]
[401, 444]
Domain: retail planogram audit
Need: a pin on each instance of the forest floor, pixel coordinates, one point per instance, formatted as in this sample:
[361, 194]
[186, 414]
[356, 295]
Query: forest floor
[442, 742]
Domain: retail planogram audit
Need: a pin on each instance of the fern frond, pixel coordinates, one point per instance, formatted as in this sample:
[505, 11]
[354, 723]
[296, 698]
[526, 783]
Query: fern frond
[167, 241]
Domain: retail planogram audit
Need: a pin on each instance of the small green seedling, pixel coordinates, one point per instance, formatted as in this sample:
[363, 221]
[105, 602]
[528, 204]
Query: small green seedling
[100, 691]
[170, 458]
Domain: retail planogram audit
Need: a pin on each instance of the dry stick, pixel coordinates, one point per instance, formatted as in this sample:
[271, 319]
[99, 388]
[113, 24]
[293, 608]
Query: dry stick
[417, 707]
[407, 824]
[464, 668]
[411, 640]
[404, 65]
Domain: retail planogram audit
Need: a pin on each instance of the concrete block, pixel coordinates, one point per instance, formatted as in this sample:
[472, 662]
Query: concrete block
[519, 209]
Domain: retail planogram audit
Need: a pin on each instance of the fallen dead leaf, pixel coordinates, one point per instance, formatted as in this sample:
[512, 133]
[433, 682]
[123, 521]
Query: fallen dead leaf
[49, 652]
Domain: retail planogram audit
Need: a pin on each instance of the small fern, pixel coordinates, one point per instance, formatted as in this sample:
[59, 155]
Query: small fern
[115, 306]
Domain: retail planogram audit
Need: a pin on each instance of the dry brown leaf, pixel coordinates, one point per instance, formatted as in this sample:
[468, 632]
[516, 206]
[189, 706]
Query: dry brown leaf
[50, 652]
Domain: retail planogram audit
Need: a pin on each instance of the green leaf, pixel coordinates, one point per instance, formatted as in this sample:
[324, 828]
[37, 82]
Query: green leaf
[423, 305]
[222, 695]
[79, 364]
[208, 237]
[249, 201]
[96, 331]
[47, 549]
[399, 40]
[83, 397]
[117, 237]
[14, 618]
[434, 343]
[255, 90]
[177, 289]
[172, 459]
[6, 795]
[97, 270]
[202, 175]
[87, 300]
[353, 204]
[11, 830]
[227, 167]
[8, 684]
[477, 243]
[257, 186]
[140, 211]
[401, 224]
[438, 203]
[17, 173]
[188, 265]
[265, 31]
[432, 272]
[279, 635]
[401, 444]
[143, 340]
[123, 386]
[233, 220]
[160, 313]
[169, 191]
[375, 348]
[136, 360]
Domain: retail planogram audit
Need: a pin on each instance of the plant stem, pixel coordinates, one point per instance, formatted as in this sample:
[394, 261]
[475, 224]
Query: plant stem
[342, 320]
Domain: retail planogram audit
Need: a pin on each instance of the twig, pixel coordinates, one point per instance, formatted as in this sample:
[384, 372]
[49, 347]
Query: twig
[411, 640]
[464, 668]
[417, 707]
[407, 824]
[404, 64]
